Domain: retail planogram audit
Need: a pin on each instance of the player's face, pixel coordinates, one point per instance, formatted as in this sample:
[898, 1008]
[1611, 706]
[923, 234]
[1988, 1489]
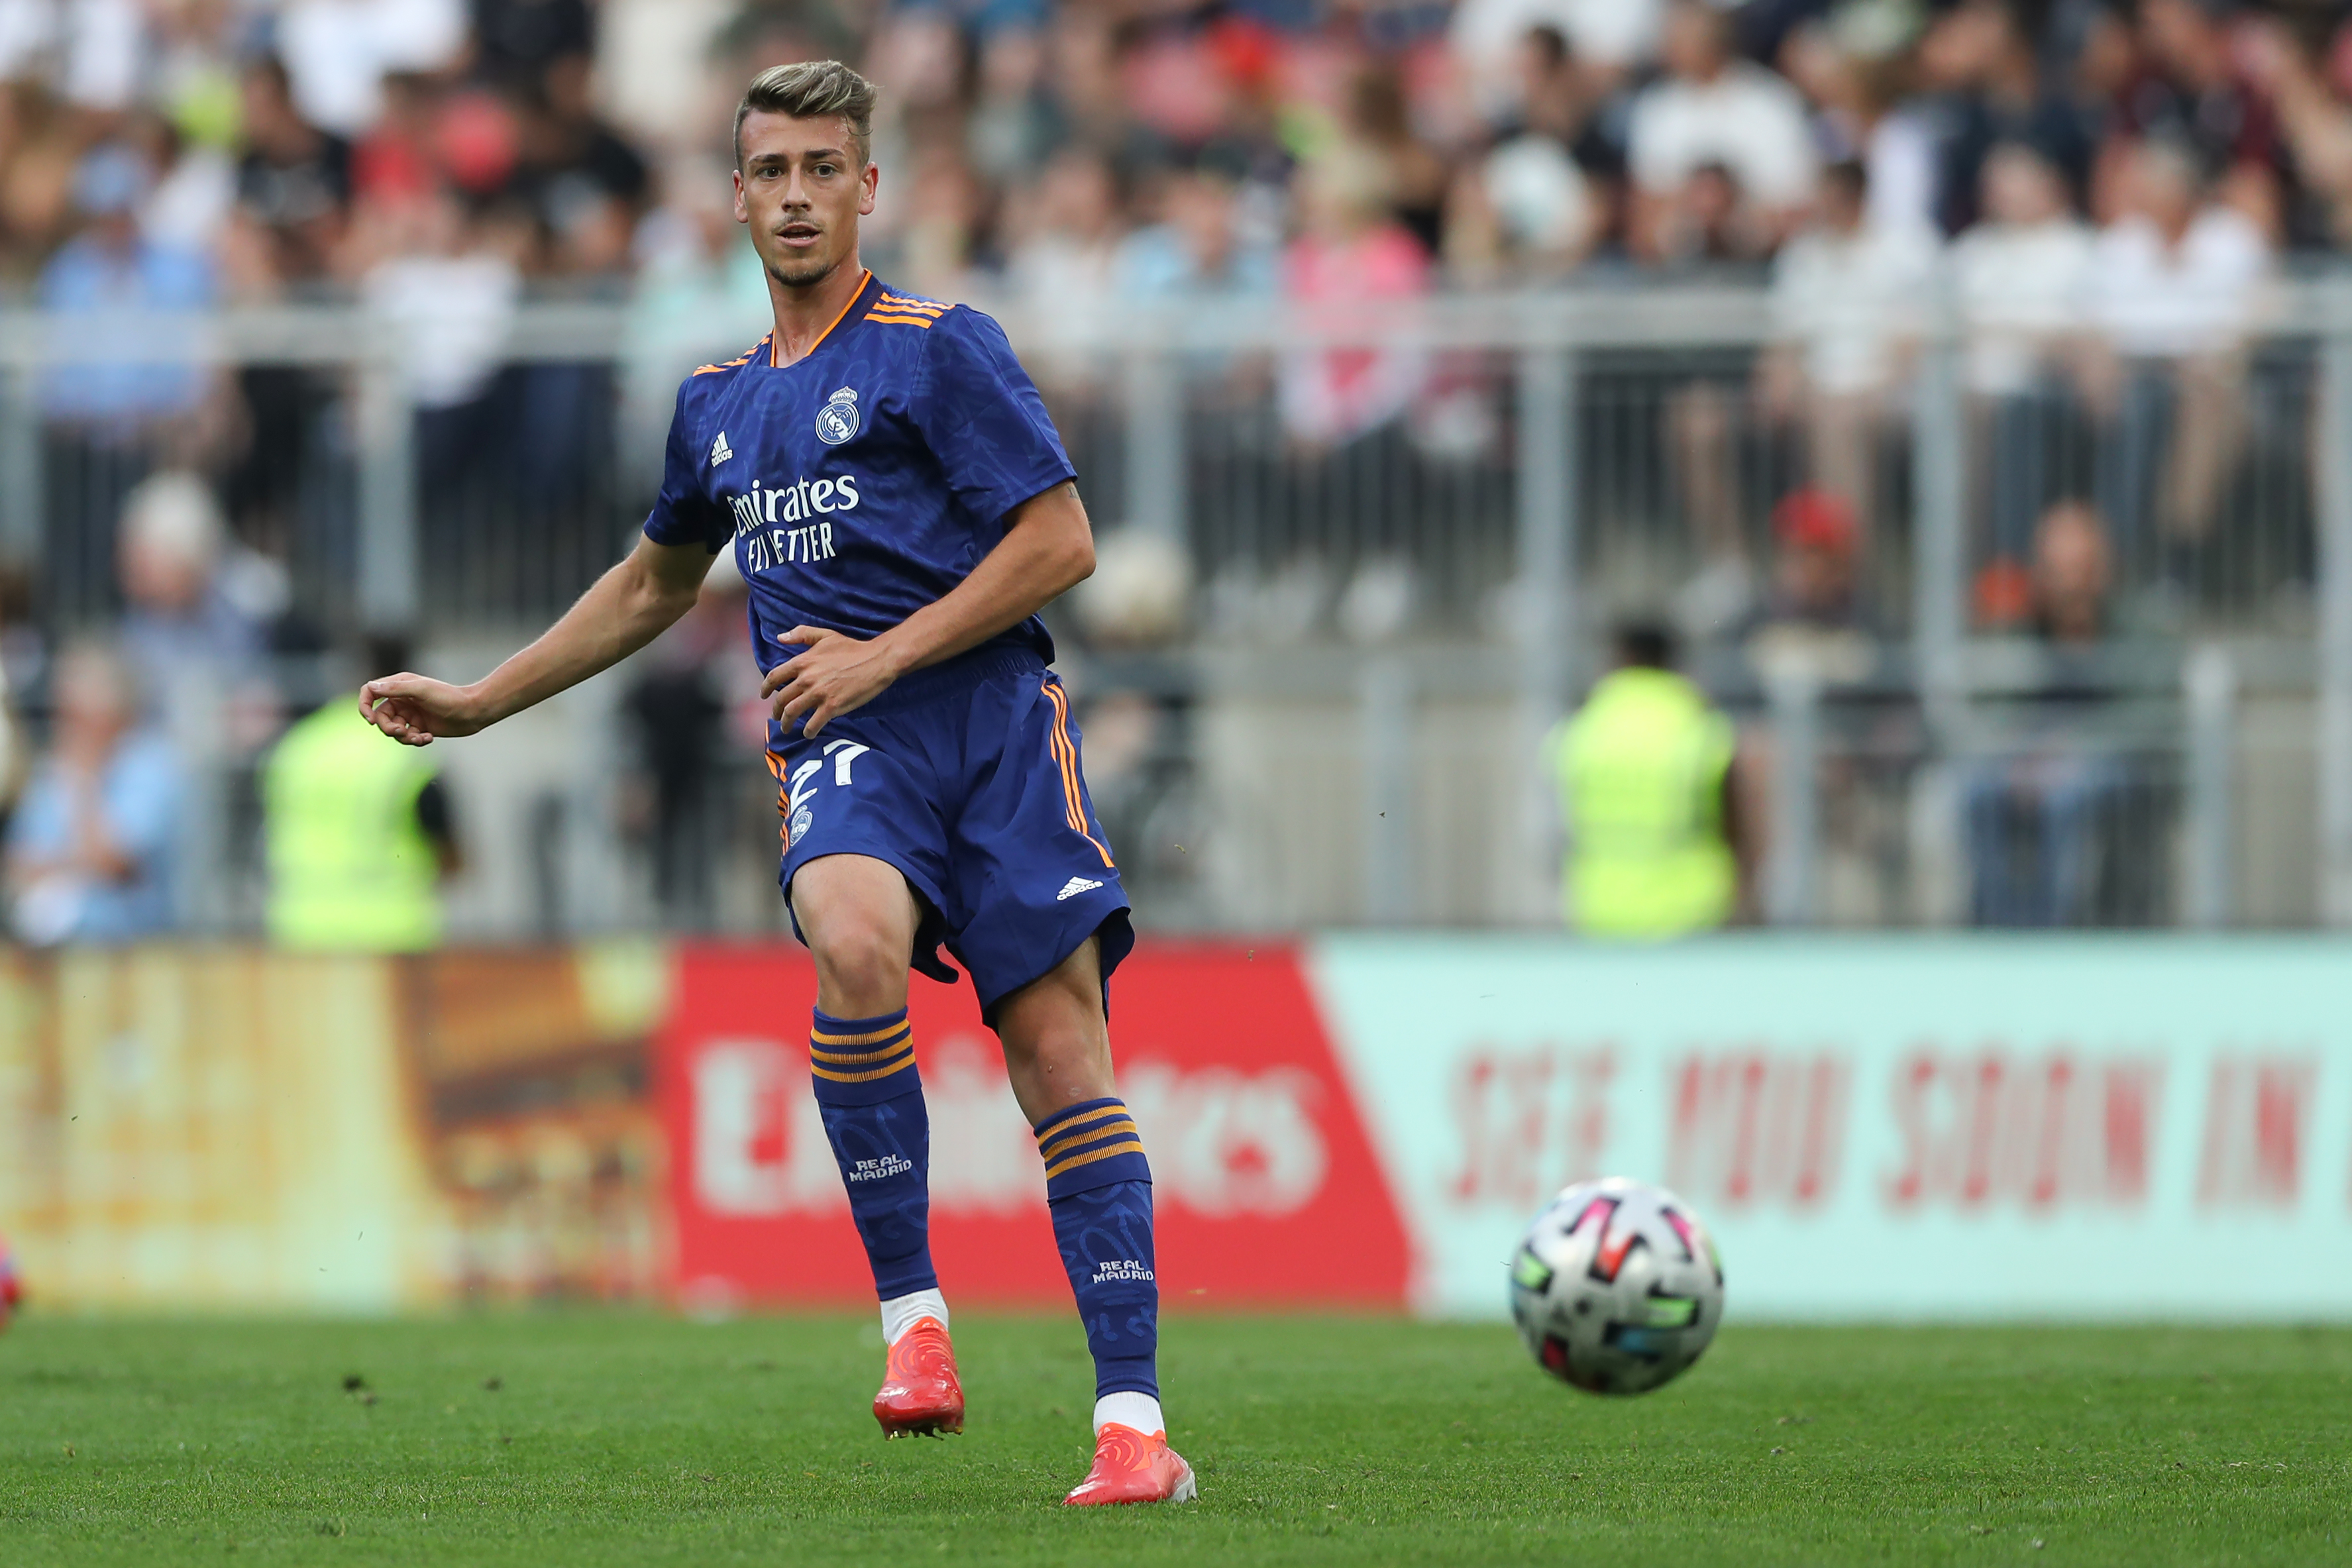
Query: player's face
[801, 190]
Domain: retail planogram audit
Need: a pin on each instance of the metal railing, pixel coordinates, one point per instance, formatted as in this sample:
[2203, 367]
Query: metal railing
[1386, 614]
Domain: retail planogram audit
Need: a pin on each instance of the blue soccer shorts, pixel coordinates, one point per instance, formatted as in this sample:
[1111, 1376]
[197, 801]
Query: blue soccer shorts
[965, 777]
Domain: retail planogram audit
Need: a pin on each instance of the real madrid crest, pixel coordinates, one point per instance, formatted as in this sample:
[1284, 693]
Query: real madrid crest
[836, 421]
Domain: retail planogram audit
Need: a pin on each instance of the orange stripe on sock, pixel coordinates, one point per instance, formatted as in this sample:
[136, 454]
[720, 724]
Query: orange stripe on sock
[870, 1037]
[1129, 1147]
[855, 1057]
[830, 1076]
[1062, 1145]
[1092, 1118]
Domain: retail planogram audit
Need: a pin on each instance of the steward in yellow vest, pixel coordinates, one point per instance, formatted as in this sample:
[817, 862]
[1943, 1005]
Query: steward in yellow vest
[358, 834]
[1645, 783]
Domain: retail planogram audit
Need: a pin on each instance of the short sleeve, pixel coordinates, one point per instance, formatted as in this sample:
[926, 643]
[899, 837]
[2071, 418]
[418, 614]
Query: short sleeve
[983, 420]
[143, 800]
[683, 514]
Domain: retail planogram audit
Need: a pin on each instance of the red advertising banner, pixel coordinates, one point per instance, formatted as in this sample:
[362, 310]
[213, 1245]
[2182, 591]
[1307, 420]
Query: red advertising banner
[1266, 1186]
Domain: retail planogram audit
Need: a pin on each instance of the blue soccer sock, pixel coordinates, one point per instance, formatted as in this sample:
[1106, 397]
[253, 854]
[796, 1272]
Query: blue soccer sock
[871, 1098]
[1098, 1187]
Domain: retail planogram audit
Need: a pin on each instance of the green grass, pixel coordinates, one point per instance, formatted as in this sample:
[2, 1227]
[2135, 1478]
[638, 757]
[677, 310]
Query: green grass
[635, 1439]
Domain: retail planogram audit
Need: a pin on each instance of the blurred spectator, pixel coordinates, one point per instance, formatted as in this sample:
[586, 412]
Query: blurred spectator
[397, 161]
[1978, 68]
[338, 52]
[2178, 278]
[1349, 260]
[515, 41]
[1709, 226]
[1083, 69]
[1062, 236]
[939, 237]
[1814, 621]
[359, 829]
[95, 287]
[193, 70]
[586, 183]
[1712, 110]
[90, 51]
[2189, 91]
[2021, 278]
[448, 283]
[41, 142]
[1545, 196]
[1065, 242]
[1014, 123]
[1612, 36]
[196, 610]
[285, 236]
[2315, 120]
[1855, 74]
[1197, 248]
[2038, 817]
[90, 846]
[1646, 788]
[293, 185]
[1379, 122]
[1847, 295]
[202, 613]
[194, 189]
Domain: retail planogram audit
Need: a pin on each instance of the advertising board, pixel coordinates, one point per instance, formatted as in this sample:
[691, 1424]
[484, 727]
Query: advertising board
[1263, 1181]
[1874, 1128]
[1887, 1127]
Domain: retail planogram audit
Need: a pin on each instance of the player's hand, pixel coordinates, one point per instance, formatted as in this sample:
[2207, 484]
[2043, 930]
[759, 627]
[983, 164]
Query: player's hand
[835, 674]
[413, 709]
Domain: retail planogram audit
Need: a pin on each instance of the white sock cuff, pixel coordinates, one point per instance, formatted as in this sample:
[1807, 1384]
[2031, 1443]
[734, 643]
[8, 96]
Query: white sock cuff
[900, 1313]
[1140, 1411]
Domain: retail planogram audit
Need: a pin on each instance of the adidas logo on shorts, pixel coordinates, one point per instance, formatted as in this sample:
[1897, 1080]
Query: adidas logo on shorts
[1075, 886]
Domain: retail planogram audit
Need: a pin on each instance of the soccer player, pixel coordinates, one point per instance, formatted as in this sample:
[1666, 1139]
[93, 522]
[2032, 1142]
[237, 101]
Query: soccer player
[901, 506]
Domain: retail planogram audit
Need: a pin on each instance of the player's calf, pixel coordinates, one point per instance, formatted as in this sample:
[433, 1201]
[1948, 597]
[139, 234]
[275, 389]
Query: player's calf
[1098, 1189]
[870, 1095]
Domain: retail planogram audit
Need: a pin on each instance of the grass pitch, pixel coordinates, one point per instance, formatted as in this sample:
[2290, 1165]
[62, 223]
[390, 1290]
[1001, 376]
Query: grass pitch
[581, 1439]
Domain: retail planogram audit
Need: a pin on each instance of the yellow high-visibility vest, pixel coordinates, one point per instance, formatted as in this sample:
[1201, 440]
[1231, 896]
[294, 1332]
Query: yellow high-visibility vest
[1640, 770]
[349, 868]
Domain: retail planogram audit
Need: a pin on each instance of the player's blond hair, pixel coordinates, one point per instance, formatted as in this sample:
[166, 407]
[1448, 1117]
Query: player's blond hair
[812, 89]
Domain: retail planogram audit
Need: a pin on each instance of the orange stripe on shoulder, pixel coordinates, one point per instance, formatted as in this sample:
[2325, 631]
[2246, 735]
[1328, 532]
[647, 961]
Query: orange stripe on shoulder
[922, 321]
[743, 359]
[908, 302]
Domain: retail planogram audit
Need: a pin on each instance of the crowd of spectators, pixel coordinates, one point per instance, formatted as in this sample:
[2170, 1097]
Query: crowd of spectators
[266, 149]
[441, 159]
[2102, 185]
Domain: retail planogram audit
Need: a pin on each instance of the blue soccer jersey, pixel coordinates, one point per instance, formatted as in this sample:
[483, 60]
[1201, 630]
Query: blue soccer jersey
[860, 485]
[868, 478]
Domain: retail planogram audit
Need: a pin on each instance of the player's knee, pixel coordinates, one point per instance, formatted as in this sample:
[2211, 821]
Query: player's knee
[862, 959]
[1060, 1053]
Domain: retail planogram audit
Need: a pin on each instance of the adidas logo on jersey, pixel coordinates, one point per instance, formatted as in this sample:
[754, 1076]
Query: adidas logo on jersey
[719, 451]
[1075, 886]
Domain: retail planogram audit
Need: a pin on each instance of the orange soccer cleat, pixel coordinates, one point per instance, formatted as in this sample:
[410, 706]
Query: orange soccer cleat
[920, 1394]
[1132, 1468]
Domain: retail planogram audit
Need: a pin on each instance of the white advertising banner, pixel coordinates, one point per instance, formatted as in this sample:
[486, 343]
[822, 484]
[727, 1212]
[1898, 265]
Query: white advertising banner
[1962, 1127]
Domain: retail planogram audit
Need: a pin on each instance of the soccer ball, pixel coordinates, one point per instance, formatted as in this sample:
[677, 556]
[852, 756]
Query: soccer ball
[1616, 1287]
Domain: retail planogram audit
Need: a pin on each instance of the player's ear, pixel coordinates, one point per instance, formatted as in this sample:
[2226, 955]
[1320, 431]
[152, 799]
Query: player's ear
[742, 213]
[867, 183]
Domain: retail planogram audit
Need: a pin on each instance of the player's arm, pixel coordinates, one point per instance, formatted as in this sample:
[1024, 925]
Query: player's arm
[625, 609]
[1048, 549]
